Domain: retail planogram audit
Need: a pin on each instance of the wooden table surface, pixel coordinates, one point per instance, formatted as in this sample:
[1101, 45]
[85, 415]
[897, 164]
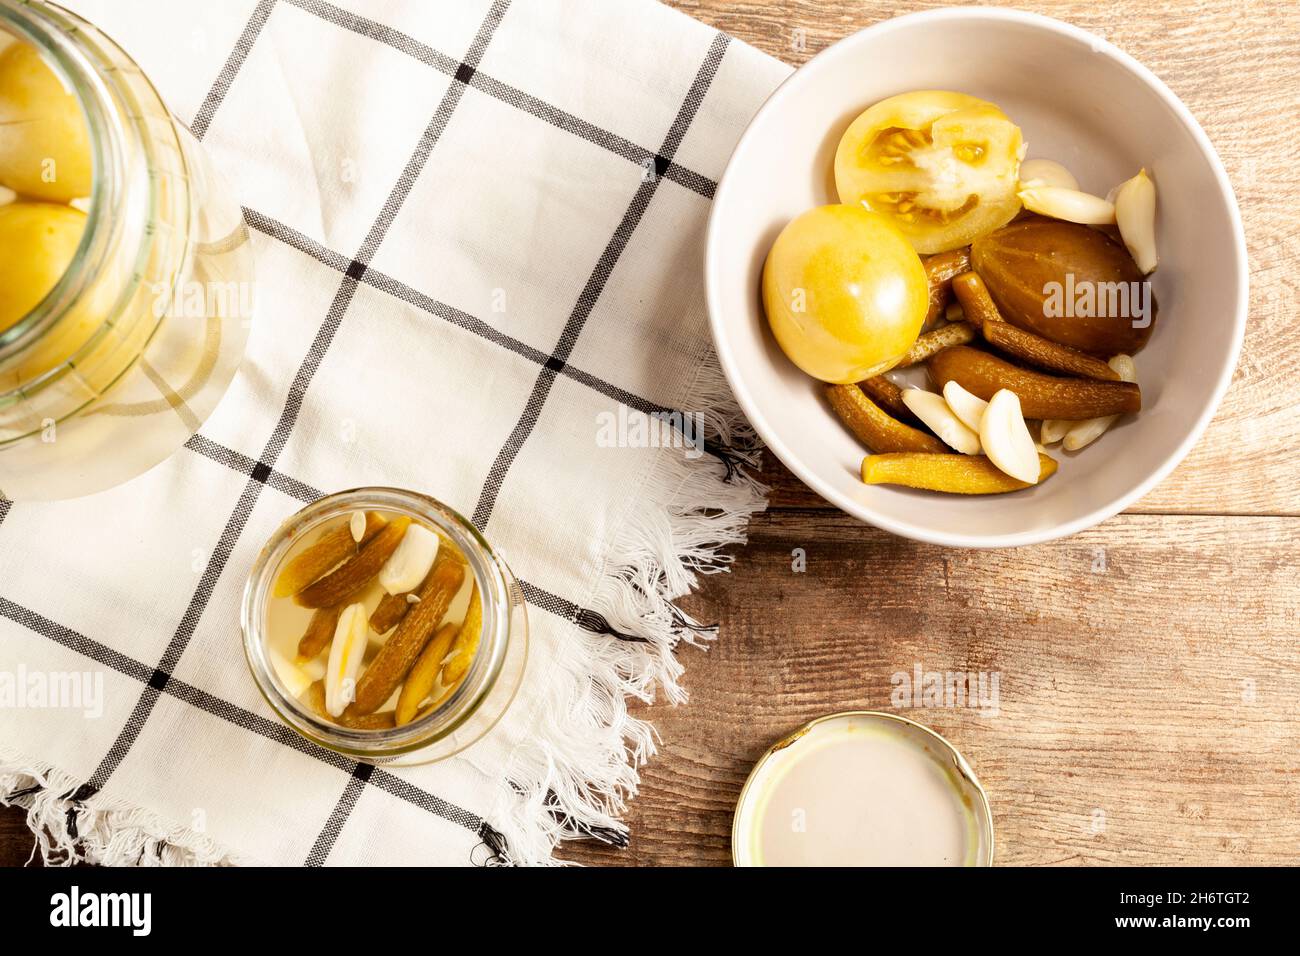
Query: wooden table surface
[1149, 668]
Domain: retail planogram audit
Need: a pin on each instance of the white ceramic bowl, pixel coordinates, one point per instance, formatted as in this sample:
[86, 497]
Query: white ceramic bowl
[1079, 100]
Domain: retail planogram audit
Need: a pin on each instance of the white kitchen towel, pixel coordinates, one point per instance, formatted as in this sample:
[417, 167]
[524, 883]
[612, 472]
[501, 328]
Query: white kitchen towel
[479, 231]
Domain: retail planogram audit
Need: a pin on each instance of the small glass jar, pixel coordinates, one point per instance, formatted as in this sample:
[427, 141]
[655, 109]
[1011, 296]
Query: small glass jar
[129, 353]
[493, 677]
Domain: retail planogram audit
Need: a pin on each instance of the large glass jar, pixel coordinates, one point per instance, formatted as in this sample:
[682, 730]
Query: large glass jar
[131, 350]
[460, 718]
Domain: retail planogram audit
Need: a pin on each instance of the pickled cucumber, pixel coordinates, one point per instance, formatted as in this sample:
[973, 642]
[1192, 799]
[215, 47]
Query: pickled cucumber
[396, 658]
[1034, 349]
[319, 633]
[1041, 396]
[873, 427]
[333, 546]
[956, 474]
[467, 638]
[1056, 279]
[419, 682]
[353, 576]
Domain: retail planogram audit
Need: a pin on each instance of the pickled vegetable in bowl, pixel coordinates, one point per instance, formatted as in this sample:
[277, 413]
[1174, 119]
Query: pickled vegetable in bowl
[1036, 258]
[844, 292]
[944, 166]
[1108, 152]
[941, 170]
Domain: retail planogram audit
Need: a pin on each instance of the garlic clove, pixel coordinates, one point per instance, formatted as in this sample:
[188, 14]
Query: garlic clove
[969, 408]
[1068, 204]
[1135, 213]
[410, 563]
[1084, 433]
[1124, 367]
[294, 677]
[1046, 172]
[1054, 430]
[351, 635]
[1006, 438]
[934, 411]
[357, 525]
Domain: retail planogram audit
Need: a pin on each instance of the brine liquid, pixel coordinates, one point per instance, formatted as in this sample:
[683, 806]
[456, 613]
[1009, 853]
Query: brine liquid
[853, 793]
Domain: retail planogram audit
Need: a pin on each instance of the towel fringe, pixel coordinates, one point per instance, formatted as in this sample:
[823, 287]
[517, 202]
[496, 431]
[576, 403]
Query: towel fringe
[68, 830]
[573, 776]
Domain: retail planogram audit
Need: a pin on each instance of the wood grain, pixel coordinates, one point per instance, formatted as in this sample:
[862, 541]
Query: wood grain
[1148, 674]
[1148, 667]
[1147, 710]
[16, 841]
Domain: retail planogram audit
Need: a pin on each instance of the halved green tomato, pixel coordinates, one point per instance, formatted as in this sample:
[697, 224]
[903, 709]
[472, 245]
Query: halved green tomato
[943, 166]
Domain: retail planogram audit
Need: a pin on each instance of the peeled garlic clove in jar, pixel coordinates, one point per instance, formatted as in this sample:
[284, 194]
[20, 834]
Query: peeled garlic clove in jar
[346, 653]
[410, 563]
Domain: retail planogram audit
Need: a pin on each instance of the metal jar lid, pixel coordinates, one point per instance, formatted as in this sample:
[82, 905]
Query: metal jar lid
[778, 759]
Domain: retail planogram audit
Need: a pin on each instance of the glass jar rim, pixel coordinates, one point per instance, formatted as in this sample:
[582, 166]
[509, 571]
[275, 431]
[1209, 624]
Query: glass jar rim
[443, 720]
[72, 53]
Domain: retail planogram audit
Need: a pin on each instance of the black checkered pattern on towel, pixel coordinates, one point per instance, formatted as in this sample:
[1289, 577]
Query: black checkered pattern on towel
[156, 679]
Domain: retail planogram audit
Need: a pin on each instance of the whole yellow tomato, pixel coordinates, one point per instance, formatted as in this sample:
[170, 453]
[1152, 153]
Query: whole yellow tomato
[37, 240]
[44, 141]
[845, 293]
